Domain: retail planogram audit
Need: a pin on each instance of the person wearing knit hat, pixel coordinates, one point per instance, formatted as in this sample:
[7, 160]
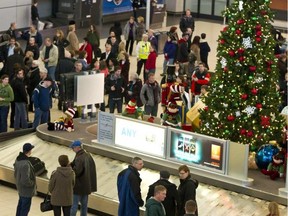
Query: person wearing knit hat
[63, 123]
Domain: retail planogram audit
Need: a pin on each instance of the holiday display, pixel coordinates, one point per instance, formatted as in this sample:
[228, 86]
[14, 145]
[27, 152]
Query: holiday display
[264, 155]
[275, 169]
[63, 123]
[132, 111]
[243, 102]
[171, 116]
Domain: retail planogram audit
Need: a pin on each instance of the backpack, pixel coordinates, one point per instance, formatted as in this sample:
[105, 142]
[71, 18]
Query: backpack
[38, 166]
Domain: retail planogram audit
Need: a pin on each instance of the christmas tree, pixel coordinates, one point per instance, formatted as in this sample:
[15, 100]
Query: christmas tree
[242, 105]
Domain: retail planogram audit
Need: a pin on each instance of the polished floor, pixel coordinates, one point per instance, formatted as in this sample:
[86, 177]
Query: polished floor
[211, 200]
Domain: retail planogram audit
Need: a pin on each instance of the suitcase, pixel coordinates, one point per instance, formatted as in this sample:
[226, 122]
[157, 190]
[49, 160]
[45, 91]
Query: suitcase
[38, 165]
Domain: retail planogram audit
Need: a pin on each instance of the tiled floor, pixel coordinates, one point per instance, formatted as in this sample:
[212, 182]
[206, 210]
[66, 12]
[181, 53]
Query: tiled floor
[212, 198]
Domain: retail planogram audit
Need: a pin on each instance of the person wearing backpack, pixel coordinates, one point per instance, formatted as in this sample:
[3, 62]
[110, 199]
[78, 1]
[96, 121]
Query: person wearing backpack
[186, 189]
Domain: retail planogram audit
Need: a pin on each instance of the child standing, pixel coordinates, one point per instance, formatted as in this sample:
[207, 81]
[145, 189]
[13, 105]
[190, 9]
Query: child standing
[204, 50]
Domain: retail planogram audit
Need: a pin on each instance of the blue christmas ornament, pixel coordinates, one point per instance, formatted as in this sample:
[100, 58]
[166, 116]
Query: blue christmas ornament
[265, 154]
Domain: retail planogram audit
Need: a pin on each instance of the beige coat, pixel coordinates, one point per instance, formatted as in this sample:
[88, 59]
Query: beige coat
[73, 40]
[53, 55]
[61, 186]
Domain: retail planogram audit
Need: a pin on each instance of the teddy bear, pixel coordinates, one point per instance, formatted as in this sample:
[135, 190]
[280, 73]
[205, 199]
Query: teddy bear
[275, 169]
[65, 124]
[171, 116]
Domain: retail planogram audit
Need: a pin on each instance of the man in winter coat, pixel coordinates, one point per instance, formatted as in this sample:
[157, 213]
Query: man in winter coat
[199, 77]
[154, 206]
[150, 95]
[171, 200]
[129, 191]
[42, 99]
[182, 52]
[86, 178]
[25, 180]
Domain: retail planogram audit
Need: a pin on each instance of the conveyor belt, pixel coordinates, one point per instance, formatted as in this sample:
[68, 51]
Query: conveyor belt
[105, 200]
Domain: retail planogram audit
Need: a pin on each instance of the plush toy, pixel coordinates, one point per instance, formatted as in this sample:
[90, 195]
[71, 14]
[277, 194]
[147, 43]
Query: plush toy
[171, 116]
[132, 111]
[276, 168]
[65, 124]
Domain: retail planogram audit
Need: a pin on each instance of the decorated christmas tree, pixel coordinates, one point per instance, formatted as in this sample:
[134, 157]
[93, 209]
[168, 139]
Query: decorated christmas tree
[243, 102]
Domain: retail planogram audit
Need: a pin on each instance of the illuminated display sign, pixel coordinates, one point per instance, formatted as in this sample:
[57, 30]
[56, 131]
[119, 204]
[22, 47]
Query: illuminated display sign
[140, 137]
[199, 150]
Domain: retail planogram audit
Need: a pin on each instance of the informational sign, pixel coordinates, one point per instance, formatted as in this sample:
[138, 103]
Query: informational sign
[199, 150]
[116, 6]
[140, 136]
[105, 128]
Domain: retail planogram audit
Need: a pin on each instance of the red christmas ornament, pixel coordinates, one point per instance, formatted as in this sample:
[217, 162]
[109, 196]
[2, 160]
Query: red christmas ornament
[206, 108]
[241, 58]
[225, 29]
[258, 27]
[269, 62]
[230, 118]
[240, 51]
[231, 53]
[263, 12]
[254, 91]
[238, 32]
[259, 33]
[268, 69]
[240, 21]
[258, 39]
[244, 96]
[222, 41]
[225, 69]
[258, 105]
[243, 131]
[265, 121]
[252, 68]
[250, 133]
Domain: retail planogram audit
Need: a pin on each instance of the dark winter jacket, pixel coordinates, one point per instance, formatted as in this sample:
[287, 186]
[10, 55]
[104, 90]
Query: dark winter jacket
[42, 97]
[117, 30]
[24, 175]
[61, 186]
[154, 208]
[34, 49]
[186, 191]
[187, 22]
[129, 192]
[118, 83]
[64, 65]
[85, 171]
[169, 50]
[38, 37]
[125, 68]
[11, 61]
[150, 94]
[33, 79]
[135, 88]
[182, 52]
[61, 44]
[20, 95]
[204, 50]
[34, 13]
[171, 196]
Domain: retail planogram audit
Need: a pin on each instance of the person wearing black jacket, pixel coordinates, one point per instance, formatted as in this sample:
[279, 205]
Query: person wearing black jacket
[115, 87]
[33, 81]
[33, 47]
[186, 189]
[20, 99]
[187, 24]
[34, 13]
[17, 57]
[12, 30]
[107, 55]
[171, 200]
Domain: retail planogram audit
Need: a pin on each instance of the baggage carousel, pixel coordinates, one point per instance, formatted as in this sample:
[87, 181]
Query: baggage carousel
[50, 144]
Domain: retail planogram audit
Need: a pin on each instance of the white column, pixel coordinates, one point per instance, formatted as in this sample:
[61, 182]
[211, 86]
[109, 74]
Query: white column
[148, 5]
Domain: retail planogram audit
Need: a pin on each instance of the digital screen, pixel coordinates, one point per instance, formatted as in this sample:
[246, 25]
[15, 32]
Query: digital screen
[194, 149]
[140, 137]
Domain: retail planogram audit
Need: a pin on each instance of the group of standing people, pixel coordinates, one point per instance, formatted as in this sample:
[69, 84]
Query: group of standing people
[69, 185]
[163, 197]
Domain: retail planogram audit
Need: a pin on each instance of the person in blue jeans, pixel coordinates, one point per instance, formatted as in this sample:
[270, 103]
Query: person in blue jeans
[20, 99]
[25, 180]
[42, 99]
[86, 178]
[115, 87]
[6, 96]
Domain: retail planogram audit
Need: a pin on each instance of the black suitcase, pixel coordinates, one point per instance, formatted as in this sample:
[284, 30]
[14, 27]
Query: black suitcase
[38, 165]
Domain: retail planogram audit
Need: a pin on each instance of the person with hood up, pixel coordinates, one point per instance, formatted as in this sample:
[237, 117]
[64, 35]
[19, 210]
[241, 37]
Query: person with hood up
[154, 206]
[25, 180]
[61, 186]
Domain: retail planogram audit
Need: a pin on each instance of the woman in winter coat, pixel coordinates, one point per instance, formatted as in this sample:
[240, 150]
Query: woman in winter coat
[186, 189]
[61, 42]
[61, 186]
[130, 34]
[195, 48]
[94, 39]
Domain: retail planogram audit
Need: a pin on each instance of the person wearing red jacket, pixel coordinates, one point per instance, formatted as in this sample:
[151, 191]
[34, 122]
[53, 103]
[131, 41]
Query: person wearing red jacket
[88, 48]
[150, 65]
[199, 77]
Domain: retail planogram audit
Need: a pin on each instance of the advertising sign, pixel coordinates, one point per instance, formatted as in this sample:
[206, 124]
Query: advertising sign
[140, 136]
[199, 150]
[116, 6]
